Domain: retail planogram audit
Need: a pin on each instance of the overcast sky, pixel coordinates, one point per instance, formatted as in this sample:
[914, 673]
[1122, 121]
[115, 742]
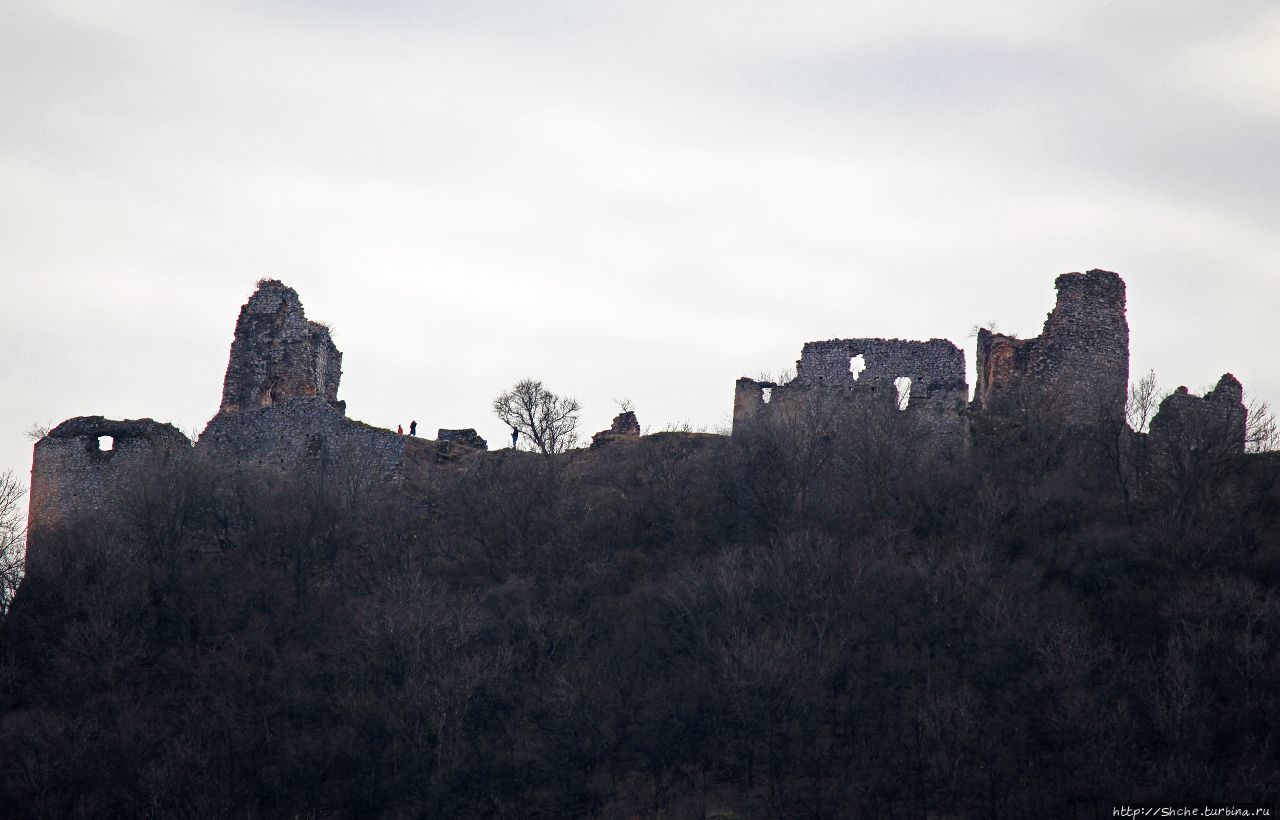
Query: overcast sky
[626, 200]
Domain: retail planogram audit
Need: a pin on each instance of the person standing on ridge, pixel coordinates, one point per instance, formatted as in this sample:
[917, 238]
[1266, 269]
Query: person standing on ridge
[515, 436]
[413, 427]
[399, 430]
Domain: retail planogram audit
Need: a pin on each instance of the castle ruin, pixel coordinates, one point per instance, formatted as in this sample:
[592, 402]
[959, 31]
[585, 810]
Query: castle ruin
[280, 409]
[1076, 372]
[923, 380]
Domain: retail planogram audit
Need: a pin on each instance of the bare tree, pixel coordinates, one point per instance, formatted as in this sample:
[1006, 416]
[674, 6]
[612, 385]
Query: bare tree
[13, 542]
[548, 422]
[1144, 399]
[1262, 434]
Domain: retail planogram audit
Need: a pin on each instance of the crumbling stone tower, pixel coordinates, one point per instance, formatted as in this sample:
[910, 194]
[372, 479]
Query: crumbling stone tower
[1077, 368]
[277, 354]
[280, 407]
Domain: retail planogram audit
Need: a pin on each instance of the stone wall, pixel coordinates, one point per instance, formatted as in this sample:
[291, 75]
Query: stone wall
[750, 399]
[1078, 367]
[466, 436]
[277, 354]
[625, 425]
[74, 479]
[453, 444]
[300, 433]
[932, 373]
[1214, 422]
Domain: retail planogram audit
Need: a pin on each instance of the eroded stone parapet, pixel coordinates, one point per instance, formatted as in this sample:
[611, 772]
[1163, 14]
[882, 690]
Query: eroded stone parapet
[625, 425]
[81, 470]
[1077, 368]
[1213, 422]
[277, 354]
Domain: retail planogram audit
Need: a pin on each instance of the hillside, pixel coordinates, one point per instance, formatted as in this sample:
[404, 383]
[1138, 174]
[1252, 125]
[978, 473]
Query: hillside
[810, 624]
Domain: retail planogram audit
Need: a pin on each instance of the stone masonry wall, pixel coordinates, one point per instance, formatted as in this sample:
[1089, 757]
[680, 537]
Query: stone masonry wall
[937, 394]
[749, 400]
[625, 425]
[1213, 422]
[1077, 367]
[277, 354]
[279, 398]
[300, 433]
[74, 480]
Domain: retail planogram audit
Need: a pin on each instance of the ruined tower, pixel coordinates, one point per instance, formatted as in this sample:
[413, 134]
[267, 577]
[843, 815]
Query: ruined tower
[1077, 368]
[277, 354]
[280, 407]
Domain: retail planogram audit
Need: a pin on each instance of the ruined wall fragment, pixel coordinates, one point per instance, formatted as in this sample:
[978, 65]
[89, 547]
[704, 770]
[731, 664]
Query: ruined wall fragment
[75, 481]
[1212, 423]
[277, 354]
[454, 444]
[466, 436]
[279, 399]
[302, 433]
[749, 400]
[625, 425]
[1077, 368]
[930, 372]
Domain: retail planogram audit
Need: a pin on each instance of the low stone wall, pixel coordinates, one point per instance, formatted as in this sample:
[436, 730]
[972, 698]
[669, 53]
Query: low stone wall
[300, 432]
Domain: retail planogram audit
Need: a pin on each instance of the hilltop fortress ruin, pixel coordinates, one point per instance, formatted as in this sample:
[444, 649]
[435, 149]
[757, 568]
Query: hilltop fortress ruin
[280, 408]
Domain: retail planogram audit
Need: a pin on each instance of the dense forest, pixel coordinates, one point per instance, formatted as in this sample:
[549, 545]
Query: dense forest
[818, 619]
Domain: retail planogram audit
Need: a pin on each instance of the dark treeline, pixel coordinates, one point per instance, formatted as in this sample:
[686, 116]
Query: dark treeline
[814, 620]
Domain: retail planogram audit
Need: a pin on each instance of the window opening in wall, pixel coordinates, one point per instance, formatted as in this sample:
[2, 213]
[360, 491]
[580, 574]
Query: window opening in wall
[856, 365]
[903, 385]
[766, 393]
[106, 443]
